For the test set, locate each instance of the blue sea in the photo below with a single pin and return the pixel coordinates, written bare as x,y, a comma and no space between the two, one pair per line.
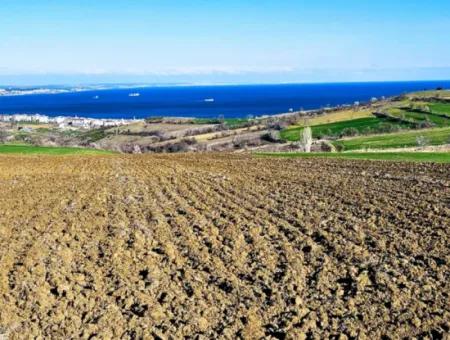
206,101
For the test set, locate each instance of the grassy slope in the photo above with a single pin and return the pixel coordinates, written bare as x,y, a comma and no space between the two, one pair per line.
438,121
428,94
437,157
334,129
43,150
396,140
230,122
441,108
333,117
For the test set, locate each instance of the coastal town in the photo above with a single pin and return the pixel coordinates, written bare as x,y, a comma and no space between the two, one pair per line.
64,122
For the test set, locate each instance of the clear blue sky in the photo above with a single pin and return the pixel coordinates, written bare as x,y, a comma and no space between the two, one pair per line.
223,41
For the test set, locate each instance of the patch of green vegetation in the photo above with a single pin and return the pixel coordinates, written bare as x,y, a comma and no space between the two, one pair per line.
43,130
45,150
441,93
346,128
441,108
232,123
396,140
156,119
420,117
89,136
93,135
437,157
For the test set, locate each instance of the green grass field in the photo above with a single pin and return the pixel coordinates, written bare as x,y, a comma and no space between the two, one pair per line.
441,108
44,150
230,122
396,140
362,125
430,94
437,157
436,120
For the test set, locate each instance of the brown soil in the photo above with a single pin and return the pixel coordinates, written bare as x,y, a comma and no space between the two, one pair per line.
222,246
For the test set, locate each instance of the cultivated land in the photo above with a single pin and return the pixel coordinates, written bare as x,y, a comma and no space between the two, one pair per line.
417,119
335,129
437,157
222,245
43,150
415,112
397,140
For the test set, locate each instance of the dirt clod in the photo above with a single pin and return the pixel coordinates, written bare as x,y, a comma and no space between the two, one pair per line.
223,246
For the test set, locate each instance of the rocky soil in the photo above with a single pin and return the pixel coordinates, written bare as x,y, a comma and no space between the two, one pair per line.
223,246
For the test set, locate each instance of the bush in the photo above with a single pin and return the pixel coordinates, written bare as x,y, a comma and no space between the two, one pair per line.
339,147
181,146
278,125
327,147
327,133
349,132
425,124
271,136
154,120
387,128
3,136
367,131
422,141
419,107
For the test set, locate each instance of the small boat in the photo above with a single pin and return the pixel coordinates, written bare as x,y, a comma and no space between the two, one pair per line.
209,100
135,94
95,97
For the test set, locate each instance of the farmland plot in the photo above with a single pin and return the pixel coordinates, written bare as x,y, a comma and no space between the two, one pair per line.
222,246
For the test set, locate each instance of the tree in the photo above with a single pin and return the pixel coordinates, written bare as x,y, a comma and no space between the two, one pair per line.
422,141
306,139
136,149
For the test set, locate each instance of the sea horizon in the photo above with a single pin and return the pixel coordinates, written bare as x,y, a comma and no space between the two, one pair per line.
127,101
112,85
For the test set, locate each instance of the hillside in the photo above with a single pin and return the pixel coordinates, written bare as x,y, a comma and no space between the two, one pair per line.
423,114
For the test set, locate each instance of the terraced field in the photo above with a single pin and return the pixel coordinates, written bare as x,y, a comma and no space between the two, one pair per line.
360,125
45,150
438,136
222,246
435,119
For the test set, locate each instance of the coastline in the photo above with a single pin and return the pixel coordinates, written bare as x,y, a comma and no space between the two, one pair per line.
192,101
65,122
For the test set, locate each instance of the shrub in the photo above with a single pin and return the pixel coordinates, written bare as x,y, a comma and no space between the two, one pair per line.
386,128
422,141
271,136
367,131
278,125
327,147
349,132
425,124
326,133
154,120
339,147
3,136
181,146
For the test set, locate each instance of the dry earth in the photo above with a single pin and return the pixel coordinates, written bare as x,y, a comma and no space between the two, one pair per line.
222,246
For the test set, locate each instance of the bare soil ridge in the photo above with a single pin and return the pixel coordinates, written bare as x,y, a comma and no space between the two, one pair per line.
222,246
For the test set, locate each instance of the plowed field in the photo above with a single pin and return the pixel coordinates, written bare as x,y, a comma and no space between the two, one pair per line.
222,246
